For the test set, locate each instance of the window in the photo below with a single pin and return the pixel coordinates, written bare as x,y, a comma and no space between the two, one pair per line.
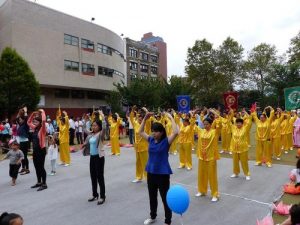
71,40
87,45
144,68
87,69
133,53
105,71
133,76
96,95
70,65
144,56
144,77
153,70
154,58
133,66
119,73
104,49
77,94
61,93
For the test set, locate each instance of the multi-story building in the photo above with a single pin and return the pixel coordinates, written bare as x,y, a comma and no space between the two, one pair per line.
159,43
76,62
142,60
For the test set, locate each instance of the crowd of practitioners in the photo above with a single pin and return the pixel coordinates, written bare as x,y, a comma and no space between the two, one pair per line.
155,136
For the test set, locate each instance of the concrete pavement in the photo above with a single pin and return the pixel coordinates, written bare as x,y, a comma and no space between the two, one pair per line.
65,201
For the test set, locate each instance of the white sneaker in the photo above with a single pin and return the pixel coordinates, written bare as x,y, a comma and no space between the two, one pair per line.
278,158
269,165
234,176
257,164
180,167
149,221
230,153
136,181
248,178
62,164
221,151
66,165
199,194
188,168
214,199
286,152
175,153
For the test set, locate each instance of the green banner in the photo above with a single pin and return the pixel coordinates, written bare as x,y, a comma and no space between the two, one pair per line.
292,98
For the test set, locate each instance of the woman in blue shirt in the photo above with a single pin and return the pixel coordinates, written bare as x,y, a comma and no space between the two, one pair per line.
158,167
95,144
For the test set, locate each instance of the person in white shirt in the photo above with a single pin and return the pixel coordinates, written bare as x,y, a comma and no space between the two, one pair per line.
78,130
52,154
72,130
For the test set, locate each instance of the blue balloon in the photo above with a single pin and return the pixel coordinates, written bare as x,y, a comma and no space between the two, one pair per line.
178,199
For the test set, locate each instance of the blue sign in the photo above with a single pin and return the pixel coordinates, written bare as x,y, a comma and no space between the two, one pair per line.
183,103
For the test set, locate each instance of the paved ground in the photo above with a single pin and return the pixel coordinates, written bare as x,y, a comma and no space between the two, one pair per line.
65,201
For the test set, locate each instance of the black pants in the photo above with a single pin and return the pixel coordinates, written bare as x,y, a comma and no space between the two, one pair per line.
161,183
79,138
97,175
131,136
39,164
14,170
24,146
72,135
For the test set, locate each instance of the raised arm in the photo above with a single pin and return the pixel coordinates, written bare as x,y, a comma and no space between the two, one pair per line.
142,127
30,119
175,130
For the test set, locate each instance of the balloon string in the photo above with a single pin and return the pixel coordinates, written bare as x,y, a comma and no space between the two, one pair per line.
181,219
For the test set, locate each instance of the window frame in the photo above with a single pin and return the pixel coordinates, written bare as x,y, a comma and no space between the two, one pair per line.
85,67
71,67
85,43
71,41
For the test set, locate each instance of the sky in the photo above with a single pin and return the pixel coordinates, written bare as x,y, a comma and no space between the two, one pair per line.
181,23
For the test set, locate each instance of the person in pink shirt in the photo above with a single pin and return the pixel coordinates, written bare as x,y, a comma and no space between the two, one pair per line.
296,135
37,122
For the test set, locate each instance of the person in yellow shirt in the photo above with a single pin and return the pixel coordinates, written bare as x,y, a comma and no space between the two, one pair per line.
169,130
225,133
275,134
186,134
208,155
140,144
290,131
63,137
287,131
263,127
114,122
247,121
239,147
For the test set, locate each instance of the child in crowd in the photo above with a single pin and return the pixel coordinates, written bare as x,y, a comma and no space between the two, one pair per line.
10,219
52,153
15,155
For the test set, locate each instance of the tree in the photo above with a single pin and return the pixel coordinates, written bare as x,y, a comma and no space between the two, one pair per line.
259,67
294,49
113,99
207,85
229,62
285,75
175,86
248,97
18,85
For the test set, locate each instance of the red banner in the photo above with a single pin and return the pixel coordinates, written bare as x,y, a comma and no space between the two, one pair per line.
231,100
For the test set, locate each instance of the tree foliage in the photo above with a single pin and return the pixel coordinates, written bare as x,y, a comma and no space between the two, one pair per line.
18,85
294,49
229,57
153,93
260,65
207,85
